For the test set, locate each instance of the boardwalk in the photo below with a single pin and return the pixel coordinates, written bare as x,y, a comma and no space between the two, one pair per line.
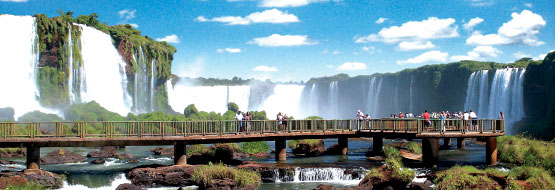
34,135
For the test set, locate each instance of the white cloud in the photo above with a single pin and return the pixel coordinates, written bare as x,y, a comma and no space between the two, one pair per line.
264,68
427,57
170,39
529,5
381,20
542,56
479,53
276,40
336,52
15,1
520,54
194,69
371,48
288,3
352,66
481,3
127,14
329,66
472,22
523,29
417,45
134,25
273,16
229,50
432,28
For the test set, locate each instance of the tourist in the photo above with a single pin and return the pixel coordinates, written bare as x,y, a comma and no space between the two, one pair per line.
280,121
285,118
501,115
360,115
443,116
466,117
426,117
239,119
474,119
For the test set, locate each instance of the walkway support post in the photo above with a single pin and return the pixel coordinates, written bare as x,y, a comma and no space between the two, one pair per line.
430,152
33,157
491,150
377,144
343,143
180,153
281,150
446,142
460,143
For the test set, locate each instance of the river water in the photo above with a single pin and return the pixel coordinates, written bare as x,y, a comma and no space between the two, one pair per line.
110,174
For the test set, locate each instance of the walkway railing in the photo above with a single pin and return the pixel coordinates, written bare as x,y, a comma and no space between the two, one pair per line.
191,128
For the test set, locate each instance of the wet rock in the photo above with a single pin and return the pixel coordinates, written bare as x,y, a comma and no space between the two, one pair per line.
128,186
419,186
226,183
104,152
125,156
222,153
376,158
98,161
162,176
45,178
11,152
305,149
162,151
334,150
61,156
262,155
6,162
409,155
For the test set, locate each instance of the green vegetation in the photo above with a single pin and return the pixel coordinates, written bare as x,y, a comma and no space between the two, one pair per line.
232,107
464,177
314,118
538,178
414,148
255,147
198,149
27,186
528,152
205,174
312,142
37,116
394,165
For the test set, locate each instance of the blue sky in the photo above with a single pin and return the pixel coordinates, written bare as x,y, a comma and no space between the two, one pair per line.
298,39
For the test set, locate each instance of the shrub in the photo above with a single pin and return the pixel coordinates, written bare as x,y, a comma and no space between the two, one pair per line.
27,186
205,174
525,151
537,177
414,148
392,152
232,107
255,147
199,149
462,177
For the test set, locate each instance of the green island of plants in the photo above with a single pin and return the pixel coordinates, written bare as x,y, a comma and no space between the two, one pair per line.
311,142
255,147
203,175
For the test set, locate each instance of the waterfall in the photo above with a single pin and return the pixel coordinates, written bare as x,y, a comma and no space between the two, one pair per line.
106,81
332,175
239,95
333,99
411,94
506,95
19,54
373,97
313,101
477,93
72,96
286,99
152,83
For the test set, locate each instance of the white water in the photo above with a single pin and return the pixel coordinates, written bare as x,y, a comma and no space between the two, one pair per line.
285,99
333,99
105,80
373,97
329,175
152,83
505,94
477,93
18,64
312,106
121,179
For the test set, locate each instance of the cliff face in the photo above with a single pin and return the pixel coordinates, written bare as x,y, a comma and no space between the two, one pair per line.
60,73
539,99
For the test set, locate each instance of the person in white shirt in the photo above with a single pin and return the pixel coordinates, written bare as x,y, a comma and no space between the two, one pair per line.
466,117
239,119
474,118
360,115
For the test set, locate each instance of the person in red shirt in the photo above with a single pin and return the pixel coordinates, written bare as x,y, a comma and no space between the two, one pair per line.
426,117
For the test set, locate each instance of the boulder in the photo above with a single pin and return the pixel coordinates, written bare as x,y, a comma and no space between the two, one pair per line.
61,156
104,152
262,155
45,178
128,186
10,152
162,176
125,156
98,161
305,149
226,183
162,151
6,162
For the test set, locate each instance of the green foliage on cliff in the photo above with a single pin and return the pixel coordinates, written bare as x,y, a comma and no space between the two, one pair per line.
527,152
91,111
37,116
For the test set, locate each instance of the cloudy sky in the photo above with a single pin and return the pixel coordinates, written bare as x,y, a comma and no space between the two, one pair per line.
298,39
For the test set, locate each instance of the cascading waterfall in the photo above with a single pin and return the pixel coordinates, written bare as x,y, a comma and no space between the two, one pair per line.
106,81
72,96
477,93
152,83
506,95
313,100
334,175
286,99
373,100
144,83
411,94
333,99
19,63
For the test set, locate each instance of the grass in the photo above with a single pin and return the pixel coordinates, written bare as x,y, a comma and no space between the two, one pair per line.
524,151
414,148
537,177
392,152
199,149
312,142
463,177
255,147
394,165
205,174
27,186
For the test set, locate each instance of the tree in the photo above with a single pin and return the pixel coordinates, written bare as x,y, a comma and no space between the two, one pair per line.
190,110
232,107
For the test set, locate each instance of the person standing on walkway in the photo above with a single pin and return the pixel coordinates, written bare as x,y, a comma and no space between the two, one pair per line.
466,117
474,119
239,119
443,116
426,117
